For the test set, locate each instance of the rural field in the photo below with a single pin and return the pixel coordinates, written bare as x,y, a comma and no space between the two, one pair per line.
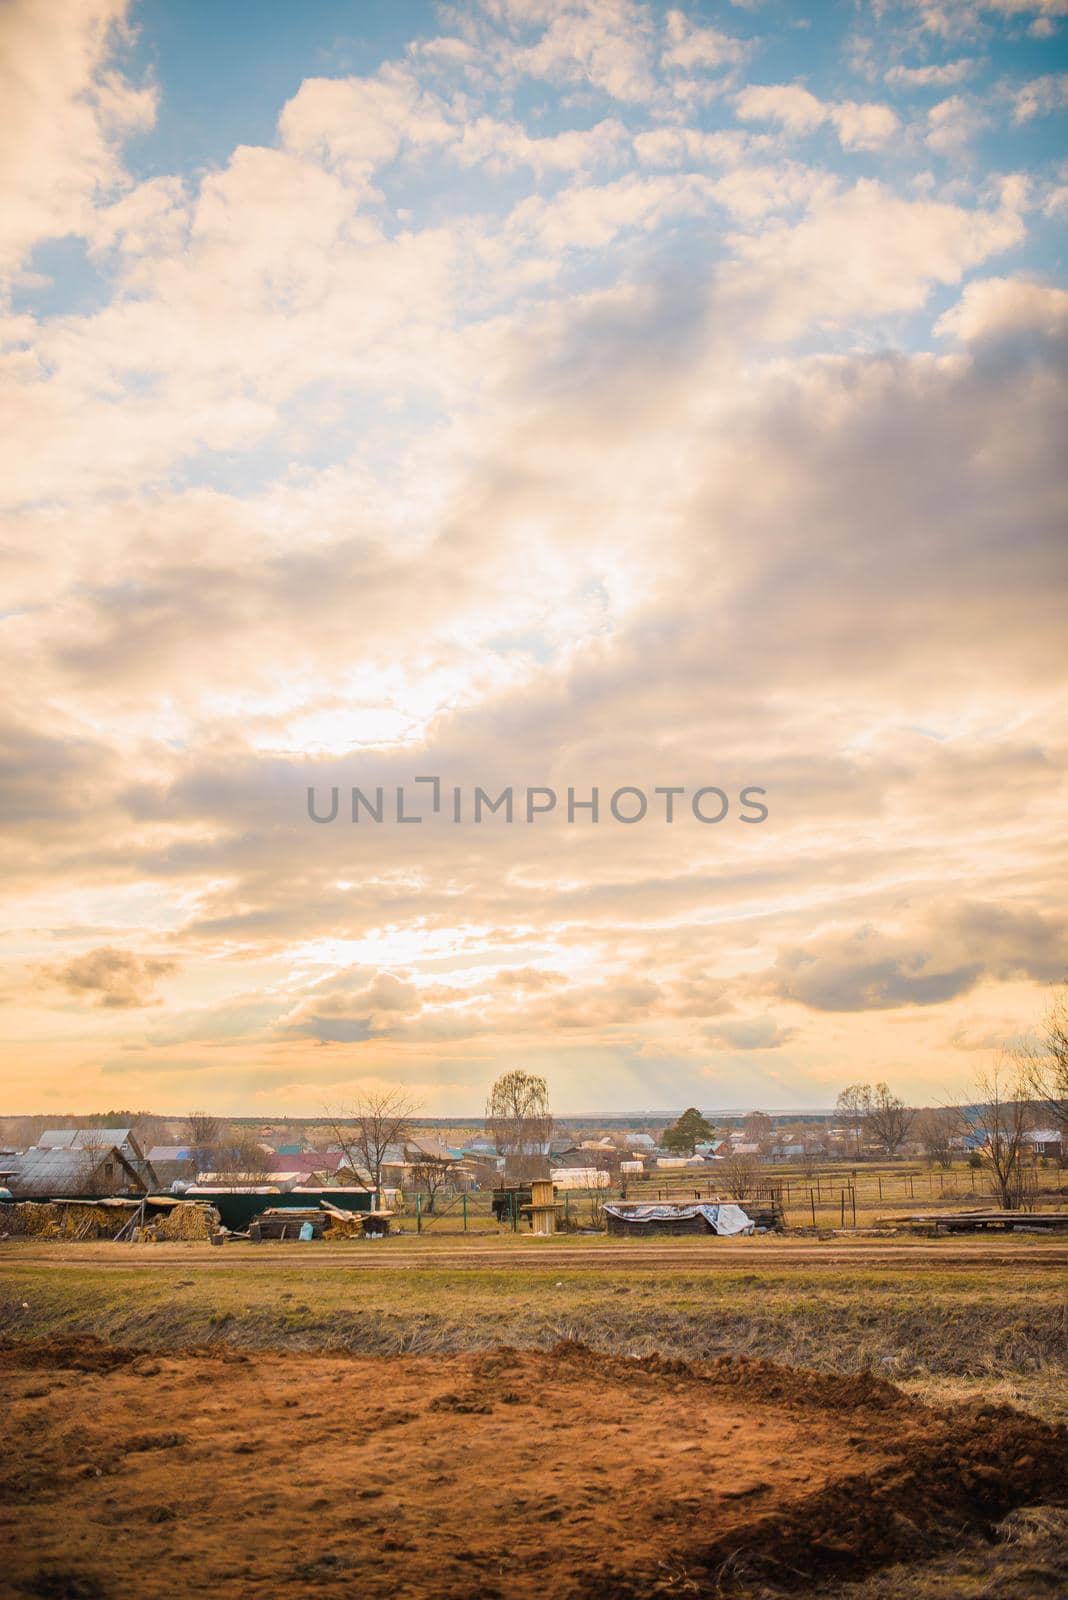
489,1416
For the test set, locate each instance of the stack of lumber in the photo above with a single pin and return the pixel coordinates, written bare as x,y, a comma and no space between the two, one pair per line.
285,1223
980,1221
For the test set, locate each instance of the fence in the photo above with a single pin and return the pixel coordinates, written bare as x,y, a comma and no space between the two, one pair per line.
849,1196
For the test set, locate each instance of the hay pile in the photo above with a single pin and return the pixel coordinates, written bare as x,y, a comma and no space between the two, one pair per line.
190,1220
43,1220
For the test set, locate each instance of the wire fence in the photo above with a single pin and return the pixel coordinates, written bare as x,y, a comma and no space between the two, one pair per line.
843,1197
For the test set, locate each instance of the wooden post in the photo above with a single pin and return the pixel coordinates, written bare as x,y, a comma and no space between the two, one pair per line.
841,1219
880,1177
465,1210
418,1213
812,1203
853,1192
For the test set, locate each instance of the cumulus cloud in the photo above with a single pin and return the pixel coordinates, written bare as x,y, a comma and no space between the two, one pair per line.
941,75
750,1033
67,111
867,969
865,250
992,308
859,125
115,979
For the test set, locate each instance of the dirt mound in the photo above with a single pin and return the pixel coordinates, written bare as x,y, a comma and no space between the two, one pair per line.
493,1474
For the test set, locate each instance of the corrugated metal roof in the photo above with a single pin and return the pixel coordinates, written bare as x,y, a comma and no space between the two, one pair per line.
83,1138
67,1171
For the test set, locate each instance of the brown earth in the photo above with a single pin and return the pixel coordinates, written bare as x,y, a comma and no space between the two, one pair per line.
500,1475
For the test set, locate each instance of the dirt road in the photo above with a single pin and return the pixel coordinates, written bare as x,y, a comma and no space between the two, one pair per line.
412,1255
502,1474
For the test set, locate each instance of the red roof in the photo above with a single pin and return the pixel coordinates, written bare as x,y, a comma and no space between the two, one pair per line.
307,1161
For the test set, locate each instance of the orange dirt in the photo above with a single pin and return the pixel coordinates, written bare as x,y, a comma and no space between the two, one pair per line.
500,1475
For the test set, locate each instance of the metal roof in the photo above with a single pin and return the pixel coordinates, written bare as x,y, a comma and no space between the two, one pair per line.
46,1172
82,1138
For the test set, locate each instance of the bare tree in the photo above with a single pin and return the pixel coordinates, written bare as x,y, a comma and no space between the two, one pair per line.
936,1127
203,1134
888,1119
365,1133
242,1162
94,1177
741,1174
1003,1096
758,1128
429,1175
852,1106
519,1122
1046,1060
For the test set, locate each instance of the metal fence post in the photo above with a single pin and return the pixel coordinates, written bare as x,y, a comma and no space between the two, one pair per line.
418,1213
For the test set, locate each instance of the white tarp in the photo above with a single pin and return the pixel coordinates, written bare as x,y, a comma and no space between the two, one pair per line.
723,1219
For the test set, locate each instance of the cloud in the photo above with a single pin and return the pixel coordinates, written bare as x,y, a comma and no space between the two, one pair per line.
999,308
942,75
865,969
859,126
67,112
690,46
508,416
864,251
1041,97
115,979
750,1033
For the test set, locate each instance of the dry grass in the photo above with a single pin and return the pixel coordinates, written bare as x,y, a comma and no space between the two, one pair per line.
965,1330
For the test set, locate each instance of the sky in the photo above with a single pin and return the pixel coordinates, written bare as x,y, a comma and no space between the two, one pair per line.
538,395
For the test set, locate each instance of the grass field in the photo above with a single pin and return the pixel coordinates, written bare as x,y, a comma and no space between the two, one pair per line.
934,1316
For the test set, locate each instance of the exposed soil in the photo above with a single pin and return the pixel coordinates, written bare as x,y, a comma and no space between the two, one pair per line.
503,1474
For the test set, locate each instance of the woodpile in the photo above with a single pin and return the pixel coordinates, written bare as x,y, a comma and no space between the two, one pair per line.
189,1221
53,1220
286,1223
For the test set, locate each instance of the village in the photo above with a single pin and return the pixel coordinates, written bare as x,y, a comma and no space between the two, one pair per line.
382,1172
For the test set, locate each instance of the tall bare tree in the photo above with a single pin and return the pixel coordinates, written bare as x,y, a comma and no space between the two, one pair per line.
739,1176
203,1134
242,1161
430,1175
852,1106
519,1122
366,1131
1004,1103
888,1119
758,1128
1046,1061
936,1127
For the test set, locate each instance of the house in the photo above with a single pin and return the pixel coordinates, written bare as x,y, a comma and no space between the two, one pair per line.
121,1139
580,1178
1046,1142
585,1155
639,1141
85,1170
311,1163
